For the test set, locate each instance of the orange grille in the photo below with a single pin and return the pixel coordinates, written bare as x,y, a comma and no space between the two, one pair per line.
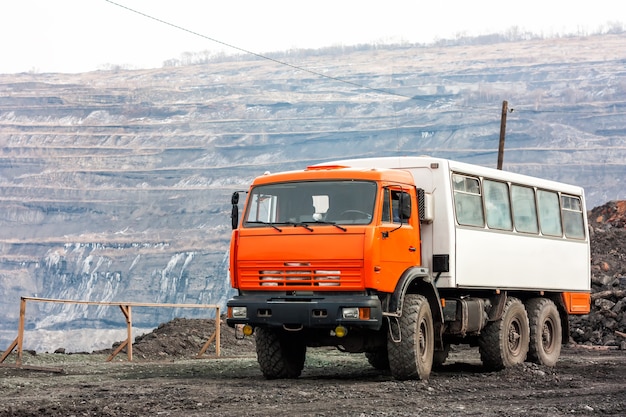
301,275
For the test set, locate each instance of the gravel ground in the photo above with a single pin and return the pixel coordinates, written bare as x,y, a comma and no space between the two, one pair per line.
584,382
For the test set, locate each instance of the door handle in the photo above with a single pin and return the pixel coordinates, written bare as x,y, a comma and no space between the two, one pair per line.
412,248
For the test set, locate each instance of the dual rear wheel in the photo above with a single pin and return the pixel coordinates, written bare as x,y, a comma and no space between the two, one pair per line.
524,332
546,334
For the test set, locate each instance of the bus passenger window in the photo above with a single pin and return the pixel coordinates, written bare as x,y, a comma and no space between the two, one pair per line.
497,205
572,217
524,209
467,201
549,213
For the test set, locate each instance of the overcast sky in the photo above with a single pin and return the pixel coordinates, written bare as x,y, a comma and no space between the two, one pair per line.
86,35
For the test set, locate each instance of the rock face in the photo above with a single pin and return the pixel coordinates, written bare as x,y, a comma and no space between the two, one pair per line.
606,324
115,185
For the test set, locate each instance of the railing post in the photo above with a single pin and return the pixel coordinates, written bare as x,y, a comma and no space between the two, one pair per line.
20,331
217,331
129,348
129,331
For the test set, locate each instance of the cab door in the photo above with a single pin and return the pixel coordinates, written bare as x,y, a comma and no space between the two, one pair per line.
398,236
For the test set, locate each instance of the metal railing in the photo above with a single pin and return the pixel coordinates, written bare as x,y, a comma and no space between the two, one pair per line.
126,308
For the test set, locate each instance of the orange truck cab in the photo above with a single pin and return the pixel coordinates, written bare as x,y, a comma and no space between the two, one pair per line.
355,255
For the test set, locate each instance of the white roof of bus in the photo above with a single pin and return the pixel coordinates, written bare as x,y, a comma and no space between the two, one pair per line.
408,162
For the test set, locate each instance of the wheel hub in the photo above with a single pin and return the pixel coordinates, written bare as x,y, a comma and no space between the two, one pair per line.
514,337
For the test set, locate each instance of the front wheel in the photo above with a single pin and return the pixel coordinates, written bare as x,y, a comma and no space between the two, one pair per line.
504,342
410,343
280,355
545,331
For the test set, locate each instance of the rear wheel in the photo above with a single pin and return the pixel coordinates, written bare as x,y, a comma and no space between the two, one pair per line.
504,342
280,355
410,344
545,331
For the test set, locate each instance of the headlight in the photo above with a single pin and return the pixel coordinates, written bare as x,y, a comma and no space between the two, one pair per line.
356,313
239,312
350,312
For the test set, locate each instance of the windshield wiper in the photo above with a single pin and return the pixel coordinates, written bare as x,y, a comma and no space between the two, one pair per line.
266,224
331,223
294,224
305,225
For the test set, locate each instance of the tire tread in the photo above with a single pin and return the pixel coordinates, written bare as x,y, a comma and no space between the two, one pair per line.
278,357
538,309
492,342
403,359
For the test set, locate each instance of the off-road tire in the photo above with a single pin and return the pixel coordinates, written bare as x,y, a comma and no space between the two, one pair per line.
546,334
411,357
504,342
280,355
379,359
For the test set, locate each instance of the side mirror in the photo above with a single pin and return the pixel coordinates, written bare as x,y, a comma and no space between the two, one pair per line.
234,213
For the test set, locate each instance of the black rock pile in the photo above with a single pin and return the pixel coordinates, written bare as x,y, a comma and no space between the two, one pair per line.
606,324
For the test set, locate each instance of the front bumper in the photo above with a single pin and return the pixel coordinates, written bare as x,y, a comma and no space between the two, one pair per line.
318,311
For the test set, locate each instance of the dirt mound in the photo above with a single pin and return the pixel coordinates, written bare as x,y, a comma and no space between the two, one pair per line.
185,338
606,324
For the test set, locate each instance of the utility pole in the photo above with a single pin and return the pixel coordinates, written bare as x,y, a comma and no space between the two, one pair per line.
505,108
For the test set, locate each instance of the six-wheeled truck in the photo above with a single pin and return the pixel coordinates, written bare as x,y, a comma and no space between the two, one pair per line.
402,257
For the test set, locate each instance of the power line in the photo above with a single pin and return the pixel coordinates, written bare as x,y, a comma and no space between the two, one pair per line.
319,74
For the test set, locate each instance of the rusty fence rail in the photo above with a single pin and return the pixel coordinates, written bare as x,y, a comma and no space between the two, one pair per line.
126,308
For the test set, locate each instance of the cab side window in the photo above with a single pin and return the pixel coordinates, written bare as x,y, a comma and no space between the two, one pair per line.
396,206
386,206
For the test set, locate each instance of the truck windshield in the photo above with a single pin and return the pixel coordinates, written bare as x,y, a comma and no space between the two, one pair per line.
322,202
